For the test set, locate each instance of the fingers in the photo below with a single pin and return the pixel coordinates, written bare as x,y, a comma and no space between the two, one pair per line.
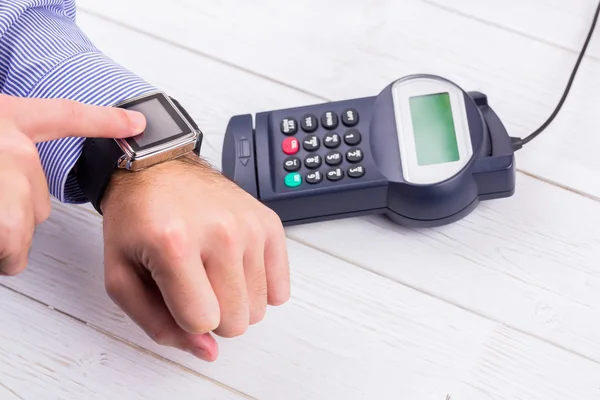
276,263
19,155
225,269
176,267
143,303
256,281
40,193
247,271
49,119
16,223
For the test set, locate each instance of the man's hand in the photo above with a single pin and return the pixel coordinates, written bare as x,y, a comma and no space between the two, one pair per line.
24,196
187,252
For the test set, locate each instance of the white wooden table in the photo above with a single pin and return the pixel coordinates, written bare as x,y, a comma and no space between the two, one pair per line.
502,305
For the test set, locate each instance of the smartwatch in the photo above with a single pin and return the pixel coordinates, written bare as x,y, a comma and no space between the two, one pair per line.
169,134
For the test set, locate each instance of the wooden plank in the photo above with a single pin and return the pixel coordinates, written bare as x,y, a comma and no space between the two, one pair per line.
347,333
46,355
561,23
354,49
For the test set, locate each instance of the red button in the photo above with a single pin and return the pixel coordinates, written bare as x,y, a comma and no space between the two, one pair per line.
290,146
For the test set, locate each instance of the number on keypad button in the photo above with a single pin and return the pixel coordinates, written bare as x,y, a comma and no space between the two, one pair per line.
352,137
354,155
292,164
314,177
313,162
356,172
332,140
335,174
329,120
333,158
350,117
309,123
289,126
311,143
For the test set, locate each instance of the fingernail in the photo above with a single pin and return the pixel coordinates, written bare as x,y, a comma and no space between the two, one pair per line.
137,120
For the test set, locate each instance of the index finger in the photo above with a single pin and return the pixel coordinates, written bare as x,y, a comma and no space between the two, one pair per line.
49,119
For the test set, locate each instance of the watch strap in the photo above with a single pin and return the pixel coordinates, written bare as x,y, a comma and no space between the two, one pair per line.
98,162
96,166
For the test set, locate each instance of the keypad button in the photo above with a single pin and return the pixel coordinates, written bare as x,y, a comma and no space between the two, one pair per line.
356,172
333,158
292,164
293,180
335,175
289,126
332,140
310,123
352,137
350,117
290,146
329,120
314,161
314,177
354,155
311,143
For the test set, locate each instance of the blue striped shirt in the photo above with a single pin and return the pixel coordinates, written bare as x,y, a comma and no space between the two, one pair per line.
44,54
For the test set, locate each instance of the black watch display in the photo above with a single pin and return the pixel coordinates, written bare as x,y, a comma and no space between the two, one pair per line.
170,133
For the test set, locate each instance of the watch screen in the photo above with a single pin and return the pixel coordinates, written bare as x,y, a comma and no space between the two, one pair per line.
163,123
159,124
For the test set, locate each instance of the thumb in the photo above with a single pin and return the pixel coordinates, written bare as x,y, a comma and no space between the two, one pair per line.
50,119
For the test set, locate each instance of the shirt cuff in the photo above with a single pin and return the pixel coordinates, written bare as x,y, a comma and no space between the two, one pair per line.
90,78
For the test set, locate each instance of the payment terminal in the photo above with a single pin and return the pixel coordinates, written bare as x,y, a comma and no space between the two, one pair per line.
423,152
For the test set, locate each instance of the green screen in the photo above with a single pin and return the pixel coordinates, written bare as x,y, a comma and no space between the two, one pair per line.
433,128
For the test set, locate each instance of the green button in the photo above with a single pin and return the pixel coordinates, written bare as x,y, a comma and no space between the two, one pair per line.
293,180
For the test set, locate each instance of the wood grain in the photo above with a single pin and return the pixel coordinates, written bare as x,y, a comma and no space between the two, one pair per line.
356,48
47,355
347,333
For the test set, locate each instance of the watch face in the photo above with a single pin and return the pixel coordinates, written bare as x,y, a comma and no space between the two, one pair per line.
163,123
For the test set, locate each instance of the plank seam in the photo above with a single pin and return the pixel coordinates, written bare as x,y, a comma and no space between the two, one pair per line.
560,185
449,301
136,347
196,52
10,390
507,29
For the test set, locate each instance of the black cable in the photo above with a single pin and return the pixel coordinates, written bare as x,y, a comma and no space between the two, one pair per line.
517,142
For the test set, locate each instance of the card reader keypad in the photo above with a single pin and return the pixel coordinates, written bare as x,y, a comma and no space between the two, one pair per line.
327,145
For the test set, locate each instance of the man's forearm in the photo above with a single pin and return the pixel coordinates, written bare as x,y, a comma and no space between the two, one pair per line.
44,54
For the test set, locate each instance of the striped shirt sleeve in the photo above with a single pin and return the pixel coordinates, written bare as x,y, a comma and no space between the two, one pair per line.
44,54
